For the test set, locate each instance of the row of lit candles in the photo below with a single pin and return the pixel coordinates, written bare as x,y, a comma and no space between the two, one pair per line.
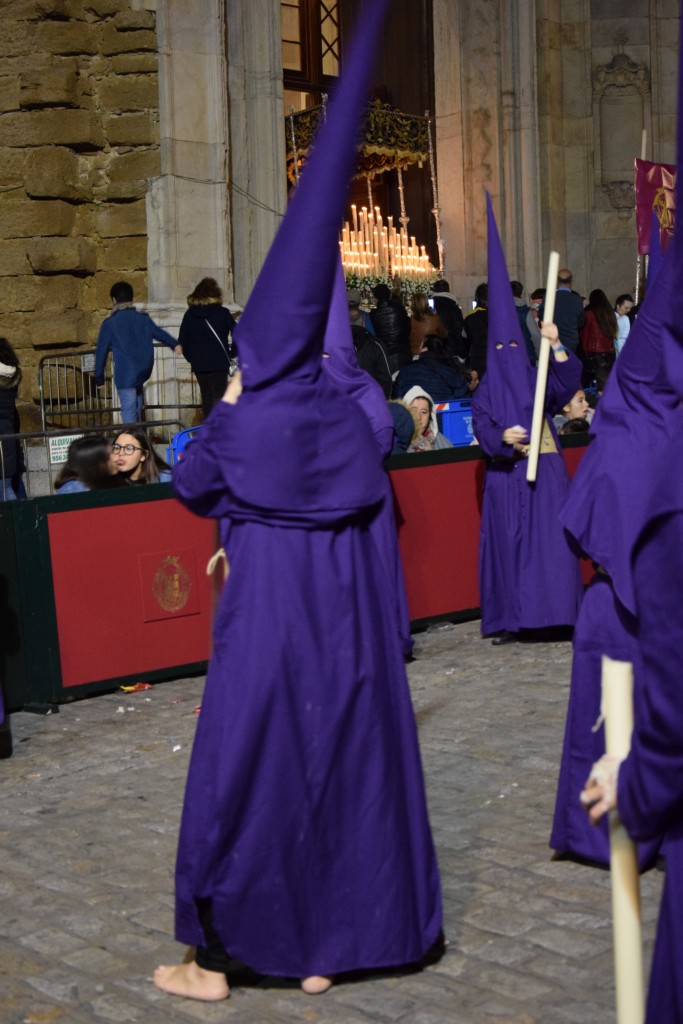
371,248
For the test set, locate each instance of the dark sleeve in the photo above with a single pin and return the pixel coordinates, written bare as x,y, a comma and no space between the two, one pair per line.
381,371
185,332
101,352
650,790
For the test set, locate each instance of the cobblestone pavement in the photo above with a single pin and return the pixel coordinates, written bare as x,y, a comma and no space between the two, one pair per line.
90,810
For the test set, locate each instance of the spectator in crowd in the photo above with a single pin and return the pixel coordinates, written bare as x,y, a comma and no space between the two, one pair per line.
89,466
429,437
392,327
622,308
597,340
129,334
363,318
533,322
370,351
475,330
205,340
136,461
423,321
11,454
405,426
436,371
523,311
576,426
568,316
576,408
446,307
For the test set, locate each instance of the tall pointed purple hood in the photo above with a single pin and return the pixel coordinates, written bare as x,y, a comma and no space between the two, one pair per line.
280,332
507,388
610,498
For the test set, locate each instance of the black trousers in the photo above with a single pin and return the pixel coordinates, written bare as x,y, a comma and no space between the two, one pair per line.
213,956
212,387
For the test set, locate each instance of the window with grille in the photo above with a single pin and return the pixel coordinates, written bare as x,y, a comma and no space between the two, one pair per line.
310,50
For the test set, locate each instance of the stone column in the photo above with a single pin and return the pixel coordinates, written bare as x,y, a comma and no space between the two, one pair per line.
188,208
257,140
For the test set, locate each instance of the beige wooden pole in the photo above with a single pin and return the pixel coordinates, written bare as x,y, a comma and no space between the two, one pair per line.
542,371
617,709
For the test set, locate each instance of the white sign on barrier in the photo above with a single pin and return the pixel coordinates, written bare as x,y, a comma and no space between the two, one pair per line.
88,363
59,447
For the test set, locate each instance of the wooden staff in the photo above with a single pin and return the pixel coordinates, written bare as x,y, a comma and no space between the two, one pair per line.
617,709
542,372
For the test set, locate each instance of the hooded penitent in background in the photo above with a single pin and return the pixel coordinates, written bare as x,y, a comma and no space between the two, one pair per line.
342,367
528,577
647,569
305,848
604,514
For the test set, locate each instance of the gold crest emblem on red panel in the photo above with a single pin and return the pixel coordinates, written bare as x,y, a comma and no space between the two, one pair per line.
172,584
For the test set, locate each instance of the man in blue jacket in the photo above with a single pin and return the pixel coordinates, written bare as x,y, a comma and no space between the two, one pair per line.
130,335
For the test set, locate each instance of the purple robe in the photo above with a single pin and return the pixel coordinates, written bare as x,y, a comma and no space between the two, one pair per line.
305,819
528,576
341,366
604,626
650,789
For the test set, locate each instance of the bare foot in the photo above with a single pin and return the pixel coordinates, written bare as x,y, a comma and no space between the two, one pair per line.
192,981
316,985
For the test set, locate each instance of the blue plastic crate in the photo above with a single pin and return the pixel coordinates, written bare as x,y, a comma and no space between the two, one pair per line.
455,421
178,444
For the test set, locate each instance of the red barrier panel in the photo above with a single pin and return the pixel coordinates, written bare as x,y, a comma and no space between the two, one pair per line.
130,587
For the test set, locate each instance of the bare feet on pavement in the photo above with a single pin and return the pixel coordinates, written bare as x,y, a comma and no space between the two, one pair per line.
316,985
192,981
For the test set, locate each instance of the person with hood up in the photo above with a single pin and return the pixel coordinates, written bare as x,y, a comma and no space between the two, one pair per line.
305,801
528,577
429,437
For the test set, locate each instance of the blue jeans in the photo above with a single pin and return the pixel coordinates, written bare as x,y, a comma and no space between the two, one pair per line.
131,405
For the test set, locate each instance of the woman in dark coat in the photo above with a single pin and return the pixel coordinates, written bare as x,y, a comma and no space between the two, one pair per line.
205,339
435,370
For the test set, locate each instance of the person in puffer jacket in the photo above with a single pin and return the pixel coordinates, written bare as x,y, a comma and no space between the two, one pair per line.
392,327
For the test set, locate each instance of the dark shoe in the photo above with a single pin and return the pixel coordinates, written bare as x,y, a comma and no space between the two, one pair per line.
504,638
5,740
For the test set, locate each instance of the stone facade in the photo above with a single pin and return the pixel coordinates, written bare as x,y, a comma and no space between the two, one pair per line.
79,141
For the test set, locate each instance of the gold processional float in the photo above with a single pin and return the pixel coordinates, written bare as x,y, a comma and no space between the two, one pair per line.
373,250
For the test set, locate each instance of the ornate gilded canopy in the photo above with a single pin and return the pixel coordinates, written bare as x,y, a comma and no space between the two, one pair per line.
390,139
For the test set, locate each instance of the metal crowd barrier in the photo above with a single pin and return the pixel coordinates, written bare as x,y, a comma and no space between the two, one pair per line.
44,452
69,398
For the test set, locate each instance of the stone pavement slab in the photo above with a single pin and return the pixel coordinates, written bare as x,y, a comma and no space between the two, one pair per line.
91,805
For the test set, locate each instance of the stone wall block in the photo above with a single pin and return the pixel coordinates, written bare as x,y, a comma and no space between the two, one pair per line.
12,166
134,63
128,92
58,255
136,166
52,172
117,220
60,328
56,85
13,258
67,37
107,8
44,127
132,129
27,218
122,254
114,41
16,38
43,293
125,21
9,92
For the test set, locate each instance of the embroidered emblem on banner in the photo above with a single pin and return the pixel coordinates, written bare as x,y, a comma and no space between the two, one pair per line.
172,584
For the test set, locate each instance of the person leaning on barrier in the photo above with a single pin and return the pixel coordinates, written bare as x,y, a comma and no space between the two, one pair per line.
89,466
129,334
136,461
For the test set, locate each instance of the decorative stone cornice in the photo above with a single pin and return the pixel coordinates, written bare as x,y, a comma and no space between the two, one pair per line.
621,73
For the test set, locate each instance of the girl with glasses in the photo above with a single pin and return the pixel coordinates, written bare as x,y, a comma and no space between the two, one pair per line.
136,461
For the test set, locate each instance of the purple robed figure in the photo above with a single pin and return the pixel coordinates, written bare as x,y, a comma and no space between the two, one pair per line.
341,365
305,848
528,577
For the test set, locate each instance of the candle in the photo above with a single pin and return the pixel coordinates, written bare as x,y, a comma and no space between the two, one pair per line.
355,218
